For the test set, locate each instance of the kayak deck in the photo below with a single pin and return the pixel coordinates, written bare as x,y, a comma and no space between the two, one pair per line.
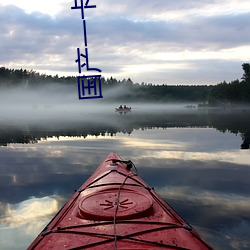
116,209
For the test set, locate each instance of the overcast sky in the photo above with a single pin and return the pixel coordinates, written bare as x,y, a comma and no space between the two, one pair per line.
153,41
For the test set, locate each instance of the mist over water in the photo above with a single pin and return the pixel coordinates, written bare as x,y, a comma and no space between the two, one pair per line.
52,141
60,102
55,110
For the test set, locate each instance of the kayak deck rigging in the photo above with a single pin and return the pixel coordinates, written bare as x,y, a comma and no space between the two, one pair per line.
120,237
116,206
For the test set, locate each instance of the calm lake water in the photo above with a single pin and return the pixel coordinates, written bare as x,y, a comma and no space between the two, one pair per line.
197,160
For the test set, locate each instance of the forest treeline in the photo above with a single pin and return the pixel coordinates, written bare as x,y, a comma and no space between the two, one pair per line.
235,122
236,91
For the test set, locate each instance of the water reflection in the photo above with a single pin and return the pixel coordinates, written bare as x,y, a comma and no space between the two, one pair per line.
73,124
20,222
196,167
31,210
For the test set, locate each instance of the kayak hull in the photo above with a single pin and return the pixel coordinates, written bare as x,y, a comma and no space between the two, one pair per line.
116,209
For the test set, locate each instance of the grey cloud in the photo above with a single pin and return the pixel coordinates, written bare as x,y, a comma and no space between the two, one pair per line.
113,37
200,32
41,29
29,37
12,16
147,8
220,31
127,31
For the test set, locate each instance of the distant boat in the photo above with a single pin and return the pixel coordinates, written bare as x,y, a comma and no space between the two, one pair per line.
125,110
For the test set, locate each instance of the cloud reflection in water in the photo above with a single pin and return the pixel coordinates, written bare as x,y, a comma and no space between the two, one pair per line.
198,171
21,222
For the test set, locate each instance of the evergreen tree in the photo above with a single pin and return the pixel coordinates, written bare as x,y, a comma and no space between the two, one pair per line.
246,69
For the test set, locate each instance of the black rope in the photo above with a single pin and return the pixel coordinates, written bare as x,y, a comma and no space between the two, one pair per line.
128,237
129,165
117,207
120,222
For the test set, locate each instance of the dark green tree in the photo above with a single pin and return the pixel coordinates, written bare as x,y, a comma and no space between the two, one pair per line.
246,69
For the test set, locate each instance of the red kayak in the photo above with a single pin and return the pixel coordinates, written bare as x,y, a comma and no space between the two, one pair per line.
116,209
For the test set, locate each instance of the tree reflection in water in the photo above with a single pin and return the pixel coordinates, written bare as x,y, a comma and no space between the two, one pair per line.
233,121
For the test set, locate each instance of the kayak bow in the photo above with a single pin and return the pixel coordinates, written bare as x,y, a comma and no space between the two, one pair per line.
116,209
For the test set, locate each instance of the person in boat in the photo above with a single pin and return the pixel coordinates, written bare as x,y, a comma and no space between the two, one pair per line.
125,106
120,107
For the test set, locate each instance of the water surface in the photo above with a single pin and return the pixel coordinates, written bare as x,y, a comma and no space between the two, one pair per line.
193,158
